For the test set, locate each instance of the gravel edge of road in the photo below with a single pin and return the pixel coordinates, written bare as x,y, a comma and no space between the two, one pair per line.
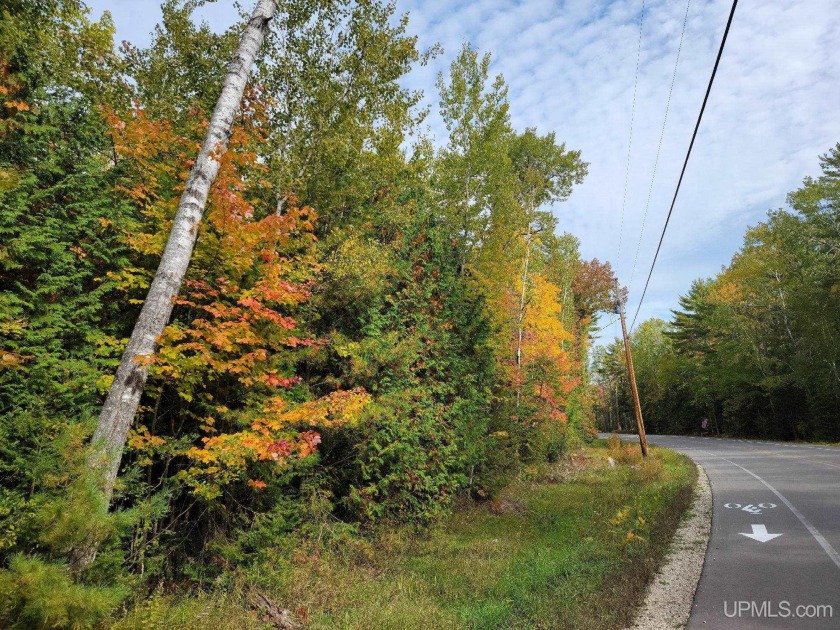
669,598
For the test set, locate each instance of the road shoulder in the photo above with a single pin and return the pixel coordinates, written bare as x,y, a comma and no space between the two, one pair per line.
671,592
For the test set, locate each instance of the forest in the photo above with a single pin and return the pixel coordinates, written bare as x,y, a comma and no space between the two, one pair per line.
374,324
755,350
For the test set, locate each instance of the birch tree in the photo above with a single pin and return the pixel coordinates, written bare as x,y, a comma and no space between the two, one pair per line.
124,395
338,128
474,175
545,174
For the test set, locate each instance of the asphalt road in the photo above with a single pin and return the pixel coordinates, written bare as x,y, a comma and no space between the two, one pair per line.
786,574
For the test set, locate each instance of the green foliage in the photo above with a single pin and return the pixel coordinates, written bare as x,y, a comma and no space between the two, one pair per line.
475,179
420,347
408,461
203,609
37,594
75,517
755,350
341,115
501,564
60,228
183,67
341,355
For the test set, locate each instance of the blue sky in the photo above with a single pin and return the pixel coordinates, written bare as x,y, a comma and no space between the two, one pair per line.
570,66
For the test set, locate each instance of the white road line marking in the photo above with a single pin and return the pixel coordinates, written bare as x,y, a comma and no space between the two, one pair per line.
835,557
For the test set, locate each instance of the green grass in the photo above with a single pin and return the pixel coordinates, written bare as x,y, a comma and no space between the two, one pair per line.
573,546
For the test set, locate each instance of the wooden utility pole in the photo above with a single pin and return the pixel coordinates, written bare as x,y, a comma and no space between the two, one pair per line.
637,408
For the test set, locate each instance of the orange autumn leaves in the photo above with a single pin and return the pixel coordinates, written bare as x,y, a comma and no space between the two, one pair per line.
10,104
231,349
272,437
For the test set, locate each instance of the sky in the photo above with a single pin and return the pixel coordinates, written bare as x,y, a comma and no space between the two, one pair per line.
571,67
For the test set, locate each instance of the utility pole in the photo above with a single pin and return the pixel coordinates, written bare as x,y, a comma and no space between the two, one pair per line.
637,408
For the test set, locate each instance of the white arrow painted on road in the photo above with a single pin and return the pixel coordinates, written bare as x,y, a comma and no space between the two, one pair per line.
759,533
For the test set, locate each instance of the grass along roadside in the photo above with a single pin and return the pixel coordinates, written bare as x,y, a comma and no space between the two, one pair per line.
569,546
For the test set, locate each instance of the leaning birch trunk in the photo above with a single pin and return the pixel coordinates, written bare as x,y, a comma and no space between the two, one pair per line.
124,396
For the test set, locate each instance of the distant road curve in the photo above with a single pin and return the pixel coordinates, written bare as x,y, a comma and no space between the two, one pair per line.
773,559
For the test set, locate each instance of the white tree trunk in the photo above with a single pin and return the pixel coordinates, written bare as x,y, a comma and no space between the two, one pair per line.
520,322
522,302
124,396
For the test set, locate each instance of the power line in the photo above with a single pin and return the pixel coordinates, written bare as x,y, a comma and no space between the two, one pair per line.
632,118
687,155
659,148
612,323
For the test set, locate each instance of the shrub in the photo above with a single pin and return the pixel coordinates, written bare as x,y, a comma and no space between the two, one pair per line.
38,594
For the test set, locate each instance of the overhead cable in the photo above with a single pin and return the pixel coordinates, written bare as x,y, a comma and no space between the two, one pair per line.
687,156
659,148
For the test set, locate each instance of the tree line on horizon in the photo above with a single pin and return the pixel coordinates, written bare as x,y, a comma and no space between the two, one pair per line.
755,350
